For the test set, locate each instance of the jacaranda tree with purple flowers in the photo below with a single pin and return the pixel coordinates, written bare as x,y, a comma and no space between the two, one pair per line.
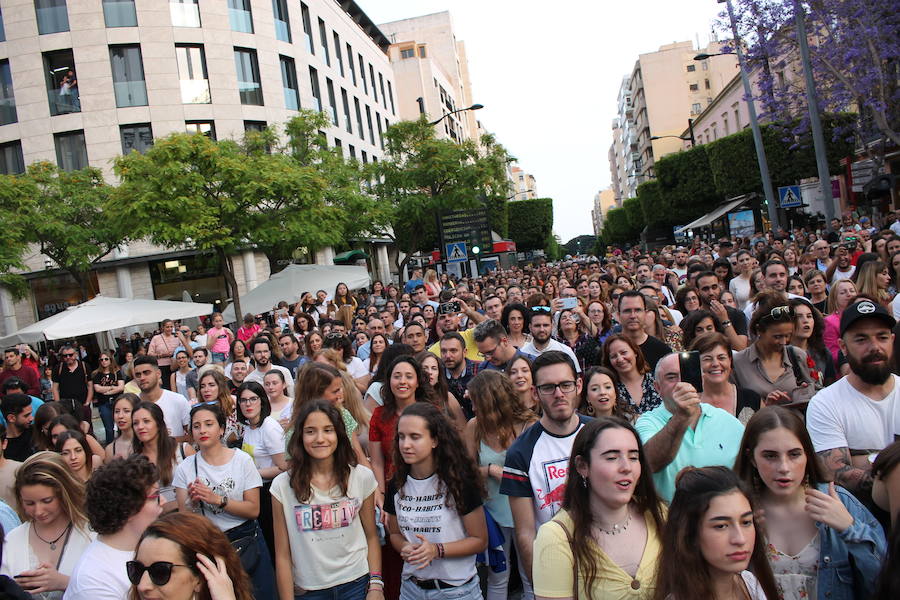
855,56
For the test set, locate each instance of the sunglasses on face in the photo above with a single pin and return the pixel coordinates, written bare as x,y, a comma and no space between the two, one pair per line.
160,572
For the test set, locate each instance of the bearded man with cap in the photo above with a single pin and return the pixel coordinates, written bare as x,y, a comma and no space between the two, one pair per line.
858,415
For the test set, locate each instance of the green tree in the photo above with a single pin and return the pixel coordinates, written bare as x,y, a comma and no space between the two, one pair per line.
65,215
14,190
221,197
532,225
422,176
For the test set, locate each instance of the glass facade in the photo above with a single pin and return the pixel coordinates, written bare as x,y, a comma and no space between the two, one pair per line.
316,90
7,95
52,16
119,13
332,102
282,21
136,137
249,85
323,42
185,13
62,82
239,16
2,28
200,275
289,83
207,128
192,74
71,151
307,28
128,75
11,160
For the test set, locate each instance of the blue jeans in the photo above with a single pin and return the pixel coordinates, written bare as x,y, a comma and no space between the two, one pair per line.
262,577
467,591
106,415
352,590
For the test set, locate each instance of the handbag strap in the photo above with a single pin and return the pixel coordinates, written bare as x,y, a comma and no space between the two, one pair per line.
574,559
196,477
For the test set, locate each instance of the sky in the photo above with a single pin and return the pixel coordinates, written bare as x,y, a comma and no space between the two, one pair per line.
549,79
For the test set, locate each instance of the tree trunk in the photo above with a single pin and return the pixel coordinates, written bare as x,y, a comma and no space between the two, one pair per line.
228,272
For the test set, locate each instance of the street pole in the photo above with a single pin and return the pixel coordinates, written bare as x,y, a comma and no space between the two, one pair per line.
815,122
691,130
754,123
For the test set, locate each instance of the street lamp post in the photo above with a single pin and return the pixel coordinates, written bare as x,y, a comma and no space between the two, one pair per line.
689,138
473,107
754,123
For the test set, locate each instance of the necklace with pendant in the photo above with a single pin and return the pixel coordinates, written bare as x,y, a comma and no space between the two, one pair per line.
53,542
617,528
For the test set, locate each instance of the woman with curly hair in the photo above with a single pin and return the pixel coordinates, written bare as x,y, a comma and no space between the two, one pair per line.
328,558
697,323
435,475
184,557
687,300
605,540
122,500
55,531
515,319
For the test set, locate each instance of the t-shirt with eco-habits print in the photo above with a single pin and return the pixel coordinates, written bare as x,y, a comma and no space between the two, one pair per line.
426,508
231,479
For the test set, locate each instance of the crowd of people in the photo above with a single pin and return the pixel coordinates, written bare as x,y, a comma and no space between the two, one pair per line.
715,421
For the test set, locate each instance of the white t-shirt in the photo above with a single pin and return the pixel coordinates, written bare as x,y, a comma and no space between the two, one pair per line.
100,574
257,376
357,368
552,344
176,412
895,304
740,287
423,510
19,556
839,416
328,543
263,441
838,274
231,479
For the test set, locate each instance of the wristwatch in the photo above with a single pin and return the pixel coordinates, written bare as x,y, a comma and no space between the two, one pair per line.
224,502
726,323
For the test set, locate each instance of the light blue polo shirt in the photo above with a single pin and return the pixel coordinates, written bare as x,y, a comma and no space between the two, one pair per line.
714,441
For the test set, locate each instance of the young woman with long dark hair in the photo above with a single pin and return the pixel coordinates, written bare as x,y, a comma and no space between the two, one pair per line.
122,445
821,541
152,439
108,382
518,369
74,448
178,378
214,388
600,396
326,557
710,548
434,368
605,540
809,327
434,475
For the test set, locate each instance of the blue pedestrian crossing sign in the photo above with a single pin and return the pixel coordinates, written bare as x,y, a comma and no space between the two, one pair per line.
789,196
456,252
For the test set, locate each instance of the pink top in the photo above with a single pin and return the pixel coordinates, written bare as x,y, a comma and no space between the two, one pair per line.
831,335
223,340
246,334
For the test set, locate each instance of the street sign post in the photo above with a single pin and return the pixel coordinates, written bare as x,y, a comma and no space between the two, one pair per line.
456,252
789,196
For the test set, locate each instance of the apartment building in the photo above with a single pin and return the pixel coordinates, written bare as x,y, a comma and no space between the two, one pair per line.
522,184
603,201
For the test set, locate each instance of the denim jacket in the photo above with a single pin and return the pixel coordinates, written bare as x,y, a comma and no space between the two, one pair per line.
849,562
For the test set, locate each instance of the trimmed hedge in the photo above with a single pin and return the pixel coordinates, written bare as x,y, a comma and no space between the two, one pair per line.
532,223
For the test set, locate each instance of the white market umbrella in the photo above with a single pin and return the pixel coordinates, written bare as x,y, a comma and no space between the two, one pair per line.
291,282
103,314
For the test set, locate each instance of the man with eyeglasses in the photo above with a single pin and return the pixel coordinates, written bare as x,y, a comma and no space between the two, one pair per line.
684,432
262,355
71,384
541,329
534,474
632,306
493,344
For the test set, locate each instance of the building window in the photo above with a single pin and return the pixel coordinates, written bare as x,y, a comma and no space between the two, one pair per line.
119,13
359,125
380,131
350,63
338,55
708,100
136,137
128,76
7,95
691,68
249,86
323,42
239,16
200,276
282,20
362,74
11,160
332,101
289,83
696,109
391,96
339,145
422,53
372,79
407,53
706,82
258,126
207,128
307,28
737,119
371,129
352,149
725,123
52,16
381,85
705,65
314,86
2,28
346,104
62,82
694,87
71,152
365,157
184,13
192,73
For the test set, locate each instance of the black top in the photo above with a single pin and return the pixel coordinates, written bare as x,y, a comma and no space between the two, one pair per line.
654,349
19,448
72,384
104,379
738,320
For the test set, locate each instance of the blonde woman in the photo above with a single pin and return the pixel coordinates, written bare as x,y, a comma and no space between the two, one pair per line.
874,280
432,285
841,295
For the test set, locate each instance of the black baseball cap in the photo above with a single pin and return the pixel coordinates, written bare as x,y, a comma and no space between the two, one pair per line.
865,309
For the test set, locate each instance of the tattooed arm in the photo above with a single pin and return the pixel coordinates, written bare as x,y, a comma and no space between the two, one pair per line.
837,462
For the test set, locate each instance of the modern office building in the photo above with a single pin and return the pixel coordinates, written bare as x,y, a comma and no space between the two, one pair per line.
665,89
432,73
83,81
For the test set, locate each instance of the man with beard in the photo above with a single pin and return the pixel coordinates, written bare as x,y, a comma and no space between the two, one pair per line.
541,328
534,474
262,354
859,414
239,370
18,418
200,356
733,321
175,407
459,369
291,358
842,266
448,319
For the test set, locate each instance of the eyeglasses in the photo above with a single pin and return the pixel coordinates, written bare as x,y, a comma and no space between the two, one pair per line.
780,313
249,400
546,389
160,572
103,358
540,309
68,355
334,335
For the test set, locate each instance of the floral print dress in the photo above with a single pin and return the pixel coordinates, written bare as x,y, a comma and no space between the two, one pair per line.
796,575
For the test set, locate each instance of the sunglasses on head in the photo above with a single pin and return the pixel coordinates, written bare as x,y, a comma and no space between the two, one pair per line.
540,309
160,572
780,313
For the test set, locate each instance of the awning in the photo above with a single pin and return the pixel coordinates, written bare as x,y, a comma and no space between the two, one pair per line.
714,214
350,255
